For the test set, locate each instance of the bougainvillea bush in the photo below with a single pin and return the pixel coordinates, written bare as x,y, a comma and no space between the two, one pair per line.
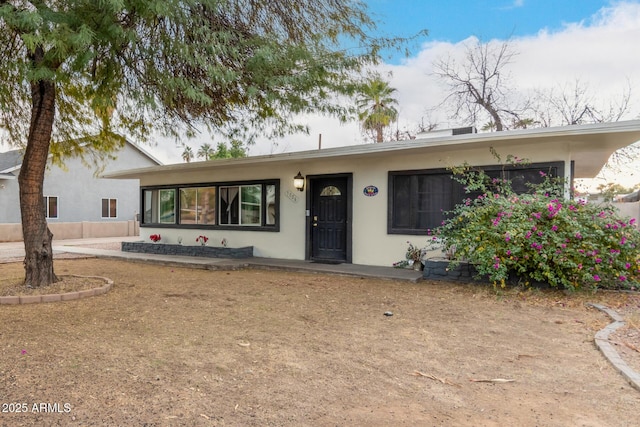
541,236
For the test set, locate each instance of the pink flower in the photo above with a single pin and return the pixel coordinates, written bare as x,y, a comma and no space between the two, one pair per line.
596,277
554,227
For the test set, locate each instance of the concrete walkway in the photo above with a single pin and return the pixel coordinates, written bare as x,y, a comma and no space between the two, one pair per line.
14,252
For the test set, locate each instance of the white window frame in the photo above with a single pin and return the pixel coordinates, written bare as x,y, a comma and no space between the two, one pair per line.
242,202
46,207
108,199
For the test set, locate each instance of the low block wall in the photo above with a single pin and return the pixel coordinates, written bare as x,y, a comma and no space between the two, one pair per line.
632,209
439,270
195,251
11,233
76,230
465,272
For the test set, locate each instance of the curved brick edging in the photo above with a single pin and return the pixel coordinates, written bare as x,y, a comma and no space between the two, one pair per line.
602,342
67,296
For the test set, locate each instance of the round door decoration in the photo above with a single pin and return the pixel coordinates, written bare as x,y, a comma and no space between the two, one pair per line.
370,190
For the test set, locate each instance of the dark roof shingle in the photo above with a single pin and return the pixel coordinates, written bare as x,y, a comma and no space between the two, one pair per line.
10,159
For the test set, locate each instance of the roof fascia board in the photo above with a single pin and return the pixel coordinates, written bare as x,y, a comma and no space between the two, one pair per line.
568,133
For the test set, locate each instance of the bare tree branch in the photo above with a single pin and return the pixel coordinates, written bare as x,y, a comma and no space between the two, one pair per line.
480,83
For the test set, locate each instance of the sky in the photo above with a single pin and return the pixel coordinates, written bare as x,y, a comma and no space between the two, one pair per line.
559,42
455,20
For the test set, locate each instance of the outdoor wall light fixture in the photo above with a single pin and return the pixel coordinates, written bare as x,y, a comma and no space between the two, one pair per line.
298,182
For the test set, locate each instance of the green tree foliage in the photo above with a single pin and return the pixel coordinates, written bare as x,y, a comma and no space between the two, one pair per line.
541,236
611,189
234,151
77,74
375,105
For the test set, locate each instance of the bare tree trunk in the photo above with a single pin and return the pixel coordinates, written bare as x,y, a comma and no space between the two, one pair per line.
38,261
379,135
497,120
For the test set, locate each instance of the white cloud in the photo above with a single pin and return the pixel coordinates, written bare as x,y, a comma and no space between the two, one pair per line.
516,4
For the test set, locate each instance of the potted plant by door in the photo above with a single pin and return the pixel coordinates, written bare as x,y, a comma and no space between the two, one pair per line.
415,254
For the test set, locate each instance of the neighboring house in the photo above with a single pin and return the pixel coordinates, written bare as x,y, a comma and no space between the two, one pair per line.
359,203
73,194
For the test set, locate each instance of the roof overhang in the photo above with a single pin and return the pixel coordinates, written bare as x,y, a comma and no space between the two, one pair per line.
590,146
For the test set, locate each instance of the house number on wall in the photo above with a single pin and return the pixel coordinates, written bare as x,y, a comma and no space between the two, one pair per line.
291,196
370,190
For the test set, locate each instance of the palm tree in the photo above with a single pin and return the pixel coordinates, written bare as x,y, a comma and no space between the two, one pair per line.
205,151
187,154
375,106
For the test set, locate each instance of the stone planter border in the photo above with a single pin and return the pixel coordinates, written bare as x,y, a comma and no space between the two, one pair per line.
67,296
438,269
187,250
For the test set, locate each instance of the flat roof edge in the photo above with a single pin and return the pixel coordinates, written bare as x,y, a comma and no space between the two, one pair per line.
396,146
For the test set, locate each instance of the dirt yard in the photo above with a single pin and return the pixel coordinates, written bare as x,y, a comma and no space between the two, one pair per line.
180,347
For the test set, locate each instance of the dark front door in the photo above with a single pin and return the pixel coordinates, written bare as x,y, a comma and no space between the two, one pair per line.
329,219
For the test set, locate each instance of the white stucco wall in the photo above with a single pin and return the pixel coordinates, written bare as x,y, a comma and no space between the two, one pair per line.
371,243
630,209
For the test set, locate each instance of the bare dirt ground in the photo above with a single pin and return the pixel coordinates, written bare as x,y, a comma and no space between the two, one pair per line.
181,347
